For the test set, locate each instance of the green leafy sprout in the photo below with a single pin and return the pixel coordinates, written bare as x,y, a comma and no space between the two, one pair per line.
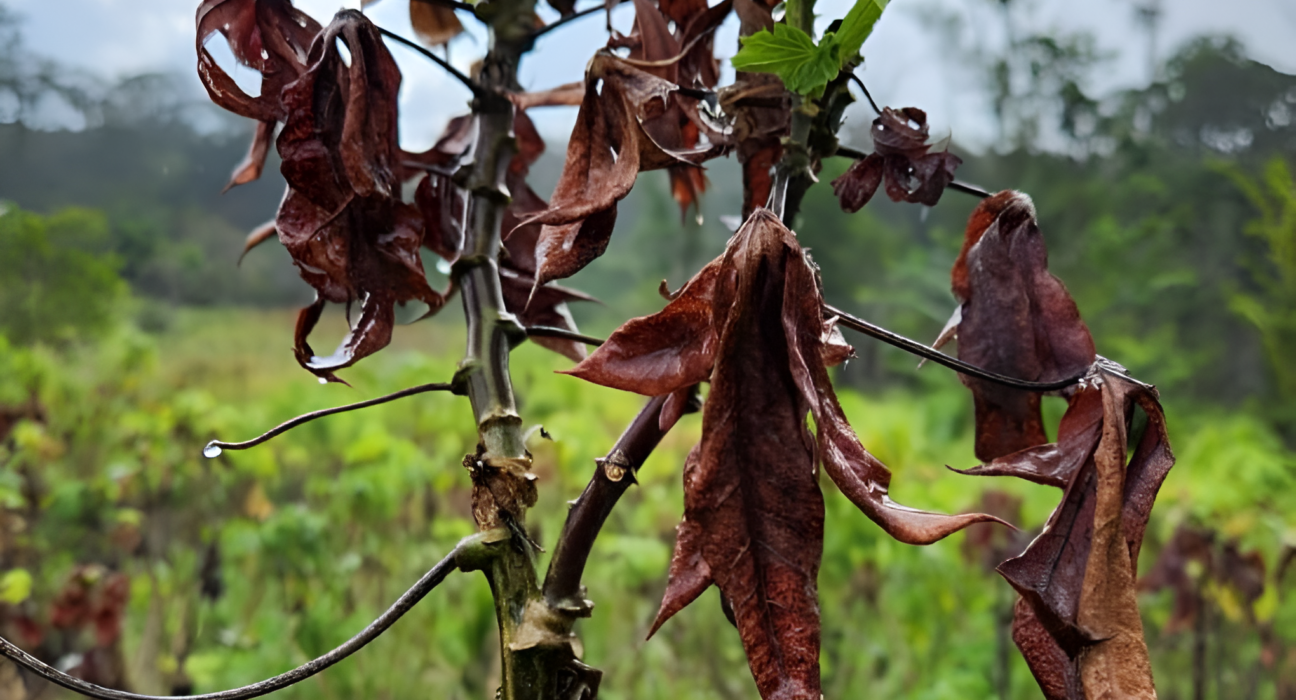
804,66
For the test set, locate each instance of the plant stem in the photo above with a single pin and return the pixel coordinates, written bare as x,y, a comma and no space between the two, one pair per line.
613,475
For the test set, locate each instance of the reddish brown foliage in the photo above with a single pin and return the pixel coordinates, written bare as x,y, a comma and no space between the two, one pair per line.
342,220
751,322
902,157
1016,319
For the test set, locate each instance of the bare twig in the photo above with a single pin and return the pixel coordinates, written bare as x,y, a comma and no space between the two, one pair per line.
914,347
214,448
434,576
872,104
453,4
574,16
552,332
471,84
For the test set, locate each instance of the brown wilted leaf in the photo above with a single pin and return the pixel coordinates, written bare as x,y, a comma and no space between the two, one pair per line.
902,156
434,24
342,221
608,148
1017,319
753,522
1077,577
268,36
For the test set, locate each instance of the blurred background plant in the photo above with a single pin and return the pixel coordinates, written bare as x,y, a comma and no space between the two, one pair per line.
129,337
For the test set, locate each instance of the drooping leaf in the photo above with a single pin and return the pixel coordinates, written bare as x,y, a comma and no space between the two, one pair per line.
342,220
1017,319
752,321
434,24
901,154
608,148
269,36
1077,578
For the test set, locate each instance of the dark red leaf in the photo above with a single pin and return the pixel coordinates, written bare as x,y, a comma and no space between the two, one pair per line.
342,220
268,36
1017,319
901,154
856,186
690,574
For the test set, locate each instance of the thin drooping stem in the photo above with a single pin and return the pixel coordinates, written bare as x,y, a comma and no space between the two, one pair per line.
430,580
916,348
574,16
876,110
613,474
218,445
445,65
452,4
563,333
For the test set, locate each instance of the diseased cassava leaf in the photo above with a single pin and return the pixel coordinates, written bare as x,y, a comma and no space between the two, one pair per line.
1079,626
269,36
1016,319
901,156
752,322
342,220
608,148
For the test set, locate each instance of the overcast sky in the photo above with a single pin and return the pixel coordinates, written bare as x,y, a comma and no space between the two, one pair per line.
908,62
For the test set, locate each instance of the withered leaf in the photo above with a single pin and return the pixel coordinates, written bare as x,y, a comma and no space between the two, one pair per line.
433,24
902,155
269,36
1077,577
752,321
342,221
608,148
1017,319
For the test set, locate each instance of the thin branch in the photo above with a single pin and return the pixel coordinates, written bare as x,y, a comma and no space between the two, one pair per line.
552,332
471,84
872,104
453,4
914,347
436,575
852,153
574,16
214,448
968,188
613,475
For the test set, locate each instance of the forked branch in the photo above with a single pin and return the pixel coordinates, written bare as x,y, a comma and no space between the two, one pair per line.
407,601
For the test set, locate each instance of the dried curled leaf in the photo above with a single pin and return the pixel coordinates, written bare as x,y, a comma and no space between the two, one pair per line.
902,156
609,147
342,220
752,322
1077,578
1016,319
269,36
434,24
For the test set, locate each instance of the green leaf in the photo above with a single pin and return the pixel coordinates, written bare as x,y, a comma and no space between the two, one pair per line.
857,26
781,52
15,586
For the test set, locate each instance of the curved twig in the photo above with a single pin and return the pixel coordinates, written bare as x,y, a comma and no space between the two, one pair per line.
214,448
434,576
553,332
914,347
564,20
872,104
471,84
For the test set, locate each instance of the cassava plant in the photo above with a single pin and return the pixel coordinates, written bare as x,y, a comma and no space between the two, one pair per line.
752,324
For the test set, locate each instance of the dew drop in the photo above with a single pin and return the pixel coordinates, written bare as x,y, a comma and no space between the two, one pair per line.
322,380
211,451
443,266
